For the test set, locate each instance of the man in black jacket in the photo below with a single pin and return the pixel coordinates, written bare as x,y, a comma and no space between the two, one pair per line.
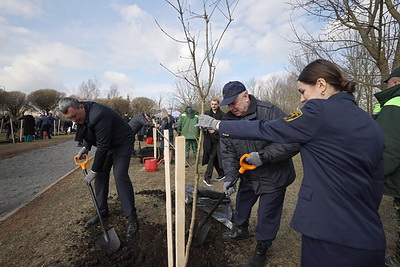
104,128
267,183
211,147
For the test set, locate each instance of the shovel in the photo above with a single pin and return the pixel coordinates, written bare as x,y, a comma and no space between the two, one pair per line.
204,226
108,240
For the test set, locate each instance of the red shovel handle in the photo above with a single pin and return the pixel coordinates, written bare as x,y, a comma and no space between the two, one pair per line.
83,163
244,166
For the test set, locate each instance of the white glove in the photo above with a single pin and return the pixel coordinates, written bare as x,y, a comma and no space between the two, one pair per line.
208,122
254,159
88,178
83,150
229,191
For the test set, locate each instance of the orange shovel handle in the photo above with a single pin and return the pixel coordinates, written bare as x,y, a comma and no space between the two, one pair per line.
83,163
244,166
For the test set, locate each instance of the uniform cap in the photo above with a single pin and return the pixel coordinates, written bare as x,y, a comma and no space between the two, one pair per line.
395,73
230,92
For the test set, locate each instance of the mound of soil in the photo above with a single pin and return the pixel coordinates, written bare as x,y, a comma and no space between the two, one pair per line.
148,247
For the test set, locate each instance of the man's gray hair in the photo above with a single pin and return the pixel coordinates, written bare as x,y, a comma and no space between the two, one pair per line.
68,102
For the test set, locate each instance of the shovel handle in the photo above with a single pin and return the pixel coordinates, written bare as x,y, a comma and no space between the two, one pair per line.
83,163
245,166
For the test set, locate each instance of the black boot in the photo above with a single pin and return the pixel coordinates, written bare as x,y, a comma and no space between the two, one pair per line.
95,219
259,256
237,233
132,227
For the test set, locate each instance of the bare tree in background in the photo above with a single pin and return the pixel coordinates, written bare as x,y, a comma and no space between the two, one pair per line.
376,24
184,95
89,90
113,92
280,91
202,49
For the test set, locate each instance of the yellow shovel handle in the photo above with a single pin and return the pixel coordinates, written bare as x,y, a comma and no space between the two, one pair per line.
244,166
83,163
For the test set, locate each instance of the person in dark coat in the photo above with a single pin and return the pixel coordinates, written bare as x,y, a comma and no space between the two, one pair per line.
387,116
167,122
52,121
29,127
341,147
211,148
267,183
44,126
138,122
67,125
104,128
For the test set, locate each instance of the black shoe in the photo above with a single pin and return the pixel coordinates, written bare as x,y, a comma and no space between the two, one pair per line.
132,228
238,233
220,178
391,262
95,219
207,181
259,256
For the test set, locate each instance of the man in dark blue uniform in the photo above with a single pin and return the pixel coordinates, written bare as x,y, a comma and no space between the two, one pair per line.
341,148
268,182
104,128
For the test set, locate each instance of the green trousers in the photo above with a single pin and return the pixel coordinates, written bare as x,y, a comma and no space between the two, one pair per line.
191,143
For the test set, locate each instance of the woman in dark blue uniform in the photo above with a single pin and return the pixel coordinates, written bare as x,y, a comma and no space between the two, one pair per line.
341,149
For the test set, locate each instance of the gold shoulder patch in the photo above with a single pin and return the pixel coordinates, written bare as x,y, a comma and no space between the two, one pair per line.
293,116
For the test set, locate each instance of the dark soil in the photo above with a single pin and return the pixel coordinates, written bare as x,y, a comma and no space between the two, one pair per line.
149,245
49,231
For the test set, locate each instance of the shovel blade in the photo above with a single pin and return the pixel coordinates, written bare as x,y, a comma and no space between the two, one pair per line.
108,240
201,234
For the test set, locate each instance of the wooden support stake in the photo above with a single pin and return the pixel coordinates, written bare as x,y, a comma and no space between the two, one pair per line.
21,131
168,200
12,130
1,126
155,141
180,200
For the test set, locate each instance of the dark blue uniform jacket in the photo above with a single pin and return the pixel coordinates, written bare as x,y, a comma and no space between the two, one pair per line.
105,129
341,149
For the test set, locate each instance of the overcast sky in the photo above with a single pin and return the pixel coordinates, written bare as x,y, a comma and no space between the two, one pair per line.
57,44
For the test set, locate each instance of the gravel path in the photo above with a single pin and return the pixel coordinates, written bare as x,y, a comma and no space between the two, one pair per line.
25,176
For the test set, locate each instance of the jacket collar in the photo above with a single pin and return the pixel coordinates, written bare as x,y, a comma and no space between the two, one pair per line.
343,95
385,95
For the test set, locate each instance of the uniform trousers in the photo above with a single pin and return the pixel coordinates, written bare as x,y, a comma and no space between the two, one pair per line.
268,215
119,158
320,253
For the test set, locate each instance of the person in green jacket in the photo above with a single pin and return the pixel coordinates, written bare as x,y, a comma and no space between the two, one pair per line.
387,114
186,127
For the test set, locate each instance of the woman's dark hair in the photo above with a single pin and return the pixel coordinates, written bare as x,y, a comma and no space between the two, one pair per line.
328,71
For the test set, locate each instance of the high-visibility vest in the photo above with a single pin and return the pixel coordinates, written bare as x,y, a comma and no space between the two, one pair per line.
395,101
